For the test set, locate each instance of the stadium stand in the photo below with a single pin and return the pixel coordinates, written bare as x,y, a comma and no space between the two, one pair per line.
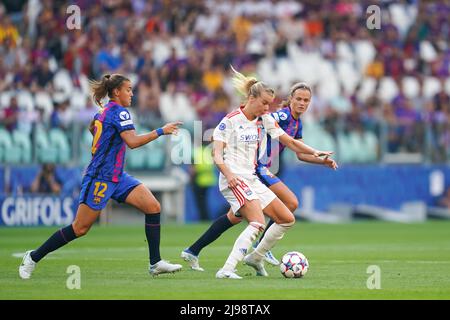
378,97
182,74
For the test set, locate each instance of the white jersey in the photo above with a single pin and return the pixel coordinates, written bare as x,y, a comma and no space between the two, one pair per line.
243,138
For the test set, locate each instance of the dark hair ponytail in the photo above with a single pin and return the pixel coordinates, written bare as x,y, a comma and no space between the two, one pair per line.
105,86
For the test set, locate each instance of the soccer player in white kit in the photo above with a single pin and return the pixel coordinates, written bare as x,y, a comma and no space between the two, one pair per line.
237,139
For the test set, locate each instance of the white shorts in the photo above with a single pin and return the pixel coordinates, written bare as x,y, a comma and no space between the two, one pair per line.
251,189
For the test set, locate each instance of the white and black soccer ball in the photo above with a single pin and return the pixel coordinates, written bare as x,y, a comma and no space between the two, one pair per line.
294,265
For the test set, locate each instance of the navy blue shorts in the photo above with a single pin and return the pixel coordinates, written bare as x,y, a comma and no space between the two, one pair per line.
95,193
266,177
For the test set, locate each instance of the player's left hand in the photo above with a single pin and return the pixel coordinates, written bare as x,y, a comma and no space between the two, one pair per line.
327,161
172,127
319,154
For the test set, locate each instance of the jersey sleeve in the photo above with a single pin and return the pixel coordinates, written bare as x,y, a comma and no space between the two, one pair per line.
275,116
223,131
121,120
272,127
280,117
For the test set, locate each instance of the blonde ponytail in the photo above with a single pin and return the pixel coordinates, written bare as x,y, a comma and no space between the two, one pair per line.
249,86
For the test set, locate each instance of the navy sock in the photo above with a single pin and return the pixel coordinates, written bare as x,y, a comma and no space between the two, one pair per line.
57,240
153,234
271,222
215,230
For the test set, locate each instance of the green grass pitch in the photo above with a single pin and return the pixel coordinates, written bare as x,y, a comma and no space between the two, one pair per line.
414,262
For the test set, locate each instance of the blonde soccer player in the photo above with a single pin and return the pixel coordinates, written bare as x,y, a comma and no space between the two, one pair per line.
288,118
237,139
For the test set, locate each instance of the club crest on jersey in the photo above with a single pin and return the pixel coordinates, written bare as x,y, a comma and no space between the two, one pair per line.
222,126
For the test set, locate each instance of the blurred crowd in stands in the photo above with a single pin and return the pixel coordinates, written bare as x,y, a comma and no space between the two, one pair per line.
392,83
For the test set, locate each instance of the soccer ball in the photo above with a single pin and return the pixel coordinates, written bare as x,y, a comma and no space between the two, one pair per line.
294,265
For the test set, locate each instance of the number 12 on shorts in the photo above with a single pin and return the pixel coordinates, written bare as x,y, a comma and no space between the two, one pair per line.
102,186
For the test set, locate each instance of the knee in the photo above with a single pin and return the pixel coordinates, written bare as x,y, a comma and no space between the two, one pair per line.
232,218
80,230
288,220
154,207
291,220
292,204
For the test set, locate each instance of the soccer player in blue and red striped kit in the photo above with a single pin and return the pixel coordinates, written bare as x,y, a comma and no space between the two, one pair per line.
288,118
113,131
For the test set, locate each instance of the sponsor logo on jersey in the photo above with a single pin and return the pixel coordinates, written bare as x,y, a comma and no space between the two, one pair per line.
126,123
283,115
124,115
222,126
248,137
126,118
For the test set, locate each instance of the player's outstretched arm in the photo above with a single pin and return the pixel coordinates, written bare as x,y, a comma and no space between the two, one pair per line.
327,161
300,147
135,141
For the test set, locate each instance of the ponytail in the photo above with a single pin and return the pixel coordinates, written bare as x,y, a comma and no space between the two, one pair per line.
249,86
105,86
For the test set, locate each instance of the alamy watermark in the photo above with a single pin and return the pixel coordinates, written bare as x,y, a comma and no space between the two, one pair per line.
374,280
373,13
74,280
73,22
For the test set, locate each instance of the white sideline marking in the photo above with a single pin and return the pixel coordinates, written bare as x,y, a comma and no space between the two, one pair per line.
392,261
18,254
87,251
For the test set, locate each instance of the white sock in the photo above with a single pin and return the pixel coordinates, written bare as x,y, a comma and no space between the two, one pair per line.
273,234
242,244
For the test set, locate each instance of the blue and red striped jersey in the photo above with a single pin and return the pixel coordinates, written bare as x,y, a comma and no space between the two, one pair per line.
291,126
108,148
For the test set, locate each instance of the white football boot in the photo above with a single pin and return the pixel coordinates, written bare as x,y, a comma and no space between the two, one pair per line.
27,266
269,258
192,260
258,265
225,274
163,266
